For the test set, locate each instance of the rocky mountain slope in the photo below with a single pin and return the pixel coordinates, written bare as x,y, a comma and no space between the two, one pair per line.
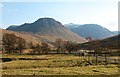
48,29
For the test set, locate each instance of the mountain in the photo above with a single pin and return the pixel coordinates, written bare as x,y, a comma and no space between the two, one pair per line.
91,30
71,25
48,29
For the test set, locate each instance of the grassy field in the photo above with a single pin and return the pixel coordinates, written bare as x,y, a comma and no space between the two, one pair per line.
57,64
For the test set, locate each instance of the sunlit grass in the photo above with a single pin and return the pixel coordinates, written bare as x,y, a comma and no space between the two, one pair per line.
58,64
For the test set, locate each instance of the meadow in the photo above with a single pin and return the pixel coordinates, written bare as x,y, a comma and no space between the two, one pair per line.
56,64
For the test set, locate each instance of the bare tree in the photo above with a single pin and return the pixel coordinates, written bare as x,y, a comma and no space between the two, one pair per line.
21,44
59,44
31,45
44,47
69,46
37,49
89,38
9,42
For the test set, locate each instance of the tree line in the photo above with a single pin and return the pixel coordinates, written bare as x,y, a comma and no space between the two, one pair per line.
13,44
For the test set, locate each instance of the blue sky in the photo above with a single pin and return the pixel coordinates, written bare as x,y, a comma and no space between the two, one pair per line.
104,13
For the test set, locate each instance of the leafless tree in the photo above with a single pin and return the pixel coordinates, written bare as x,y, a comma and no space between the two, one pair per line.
21,44
37,49
44,48
12,42
69,46
59,45
9,42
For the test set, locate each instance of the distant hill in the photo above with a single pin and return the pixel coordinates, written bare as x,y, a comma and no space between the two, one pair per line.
116,32
71,25
90,30
48,29
110,43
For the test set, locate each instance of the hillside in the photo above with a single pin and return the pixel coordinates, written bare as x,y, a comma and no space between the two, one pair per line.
48,29
90,30
27,36
116,32
110,43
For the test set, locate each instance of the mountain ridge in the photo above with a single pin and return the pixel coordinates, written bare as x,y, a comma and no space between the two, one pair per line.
91,30
49,28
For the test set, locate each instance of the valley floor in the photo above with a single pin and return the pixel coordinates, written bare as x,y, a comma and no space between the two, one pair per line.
56,64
